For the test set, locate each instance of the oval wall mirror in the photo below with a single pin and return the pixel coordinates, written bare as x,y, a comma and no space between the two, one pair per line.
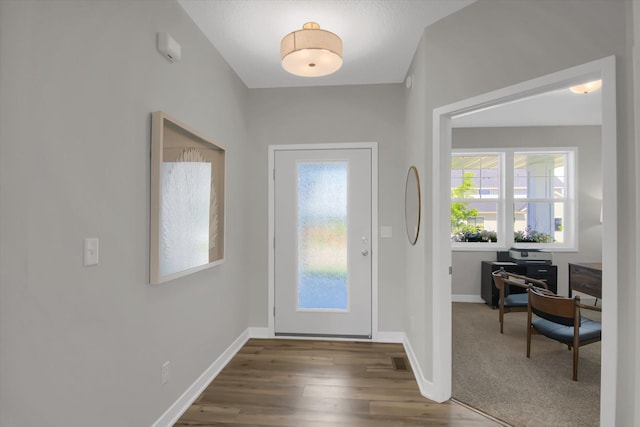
412,204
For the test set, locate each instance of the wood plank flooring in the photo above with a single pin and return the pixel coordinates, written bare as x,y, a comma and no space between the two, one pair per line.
273,382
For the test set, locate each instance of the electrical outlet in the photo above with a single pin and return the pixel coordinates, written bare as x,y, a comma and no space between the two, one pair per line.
165,372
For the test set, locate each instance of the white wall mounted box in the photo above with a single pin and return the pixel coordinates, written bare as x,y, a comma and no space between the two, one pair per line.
169,47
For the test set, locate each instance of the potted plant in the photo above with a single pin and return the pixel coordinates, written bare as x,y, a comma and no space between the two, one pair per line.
529,235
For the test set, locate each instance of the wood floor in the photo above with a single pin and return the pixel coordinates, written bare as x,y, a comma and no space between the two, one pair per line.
321,383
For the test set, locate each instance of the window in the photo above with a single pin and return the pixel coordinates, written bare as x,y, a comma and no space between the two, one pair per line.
534,188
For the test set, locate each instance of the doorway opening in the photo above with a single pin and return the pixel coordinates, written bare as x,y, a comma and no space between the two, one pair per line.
603,69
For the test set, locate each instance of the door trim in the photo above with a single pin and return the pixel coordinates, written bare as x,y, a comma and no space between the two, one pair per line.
373,146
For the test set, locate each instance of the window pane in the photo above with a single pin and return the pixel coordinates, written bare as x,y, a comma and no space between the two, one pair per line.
474,221
475,177
322,235
539,222
540,175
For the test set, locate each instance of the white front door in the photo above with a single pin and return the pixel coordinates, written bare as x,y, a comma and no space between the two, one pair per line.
323,230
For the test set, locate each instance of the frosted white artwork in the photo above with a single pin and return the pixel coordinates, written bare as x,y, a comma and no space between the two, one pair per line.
188,213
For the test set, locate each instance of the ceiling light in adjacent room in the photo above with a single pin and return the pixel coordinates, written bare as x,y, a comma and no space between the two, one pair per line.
311,52
586,87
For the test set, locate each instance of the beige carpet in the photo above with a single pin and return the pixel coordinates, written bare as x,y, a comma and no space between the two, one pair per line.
491,371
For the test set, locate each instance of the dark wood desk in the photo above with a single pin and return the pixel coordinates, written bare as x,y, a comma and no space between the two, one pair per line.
586,278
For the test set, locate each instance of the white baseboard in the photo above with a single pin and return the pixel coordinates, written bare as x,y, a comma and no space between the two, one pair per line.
258,332
183,403
380,336
389,336
426,387
467,298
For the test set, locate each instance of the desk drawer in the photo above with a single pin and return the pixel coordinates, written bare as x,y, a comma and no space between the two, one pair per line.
546,273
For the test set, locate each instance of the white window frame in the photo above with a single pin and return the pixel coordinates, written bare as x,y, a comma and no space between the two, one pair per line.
500,201
505,200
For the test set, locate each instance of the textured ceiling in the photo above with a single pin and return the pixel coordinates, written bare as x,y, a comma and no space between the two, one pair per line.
380,39
379,36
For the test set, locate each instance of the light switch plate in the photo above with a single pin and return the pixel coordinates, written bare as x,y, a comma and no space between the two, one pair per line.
386,232
91,251
165,372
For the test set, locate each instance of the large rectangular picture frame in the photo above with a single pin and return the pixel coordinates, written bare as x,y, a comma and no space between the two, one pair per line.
187,218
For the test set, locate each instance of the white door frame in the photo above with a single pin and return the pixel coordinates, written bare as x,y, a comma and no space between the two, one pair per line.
636,109
441,280
374,225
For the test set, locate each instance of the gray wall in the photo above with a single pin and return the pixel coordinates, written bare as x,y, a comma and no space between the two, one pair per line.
84,345
368,113
492,44
418,309
636,83
466,264
78,80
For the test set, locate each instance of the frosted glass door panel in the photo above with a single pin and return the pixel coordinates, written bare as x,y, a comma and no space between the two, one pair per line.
322,235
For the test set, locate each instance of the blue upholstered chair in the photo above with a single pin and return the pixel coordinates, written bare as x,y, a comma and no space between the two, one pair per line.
508,300
559,319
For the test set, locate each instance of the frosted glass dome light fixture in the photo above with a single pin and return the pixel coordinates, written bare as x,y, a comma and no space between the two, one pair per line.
311,52
586,87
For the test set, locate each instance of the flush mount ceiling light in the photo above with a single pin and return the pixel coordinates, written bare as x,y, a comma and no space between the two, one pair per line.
586,87
311,52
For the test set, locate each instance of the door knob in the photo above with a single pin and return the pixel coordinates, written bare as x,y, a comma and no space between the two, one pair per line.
365,252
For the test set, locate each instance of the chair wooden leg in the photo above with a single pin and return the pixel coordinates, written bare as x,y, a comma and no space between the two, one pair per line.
501,308
576,337
529,318
575,363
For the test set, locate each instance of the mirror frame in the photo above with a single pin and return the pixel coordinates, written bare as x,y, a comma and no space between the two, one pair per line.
412,176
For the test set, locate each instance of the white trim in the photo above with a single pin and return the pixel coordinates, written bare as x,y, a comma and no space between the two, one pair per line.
390,337
505,201
374,242
609,362
426,387
636,114
255,332
373,146
271,242
476,299
175,411
442,261
603,68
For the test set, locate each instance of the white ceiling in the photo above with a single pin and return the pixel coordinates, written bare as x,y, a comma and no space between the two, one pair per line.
559,107
380,39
